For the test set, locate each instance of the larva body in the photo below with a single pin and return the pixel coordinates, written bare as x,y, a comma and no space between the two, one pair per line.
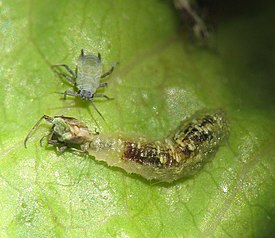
178,156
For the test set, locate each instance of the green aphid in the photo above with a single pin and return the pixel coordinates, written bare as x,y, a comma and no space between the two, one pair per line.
65,133
86,78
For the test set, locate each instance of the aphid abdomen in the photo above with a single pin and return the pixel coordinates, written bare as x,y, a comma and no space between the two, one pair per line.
89,73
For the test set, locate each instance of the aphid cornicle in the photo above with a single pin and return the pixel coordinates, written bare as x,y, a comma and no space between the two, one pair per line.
66,132
86,78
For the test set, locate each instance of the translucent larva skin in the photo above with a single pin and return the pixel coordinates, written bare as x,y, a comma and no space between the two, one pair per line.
178,156
88,75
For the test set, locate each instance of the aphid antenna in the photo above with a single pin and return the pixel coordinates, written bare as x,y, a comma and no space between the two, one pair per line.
97,110
47,118
65,94
93,118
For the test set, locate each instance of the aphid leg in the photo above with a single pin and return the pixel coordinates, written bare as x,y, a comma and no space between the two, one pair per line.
82,52
83,150
99,56
103,85
96,132
108,73
91,100
47,118
71,78
49,138
76,71
100,95
61,149
57,143
68,92
66,67
41,140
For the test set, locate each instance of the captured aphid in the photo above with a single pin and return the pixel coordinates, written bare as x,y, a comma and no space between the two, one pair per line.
178,156
66,132
86,78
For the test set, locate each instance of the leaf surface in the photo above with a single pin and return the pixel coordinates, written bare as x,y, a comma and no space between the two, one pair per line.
161,79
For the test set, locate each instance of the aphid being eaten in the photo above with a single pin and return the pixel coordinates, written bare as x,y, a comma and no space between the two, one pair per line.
66,132
178,156
86,78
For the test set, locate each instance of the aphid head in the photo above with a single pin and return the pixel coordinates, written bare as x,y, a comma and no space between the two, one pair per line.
84,94
61,129
71,131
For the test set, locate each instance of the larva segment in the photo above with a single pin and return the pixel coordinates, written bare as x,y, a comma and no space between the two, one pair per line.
154,154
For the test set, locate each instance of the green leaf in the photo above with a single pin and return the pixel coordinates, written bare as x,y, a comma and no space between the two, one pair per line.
161,79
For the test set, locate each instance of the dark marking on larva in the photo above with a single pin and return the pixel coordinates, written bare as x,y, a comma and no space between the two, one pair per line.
148,154
187,150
